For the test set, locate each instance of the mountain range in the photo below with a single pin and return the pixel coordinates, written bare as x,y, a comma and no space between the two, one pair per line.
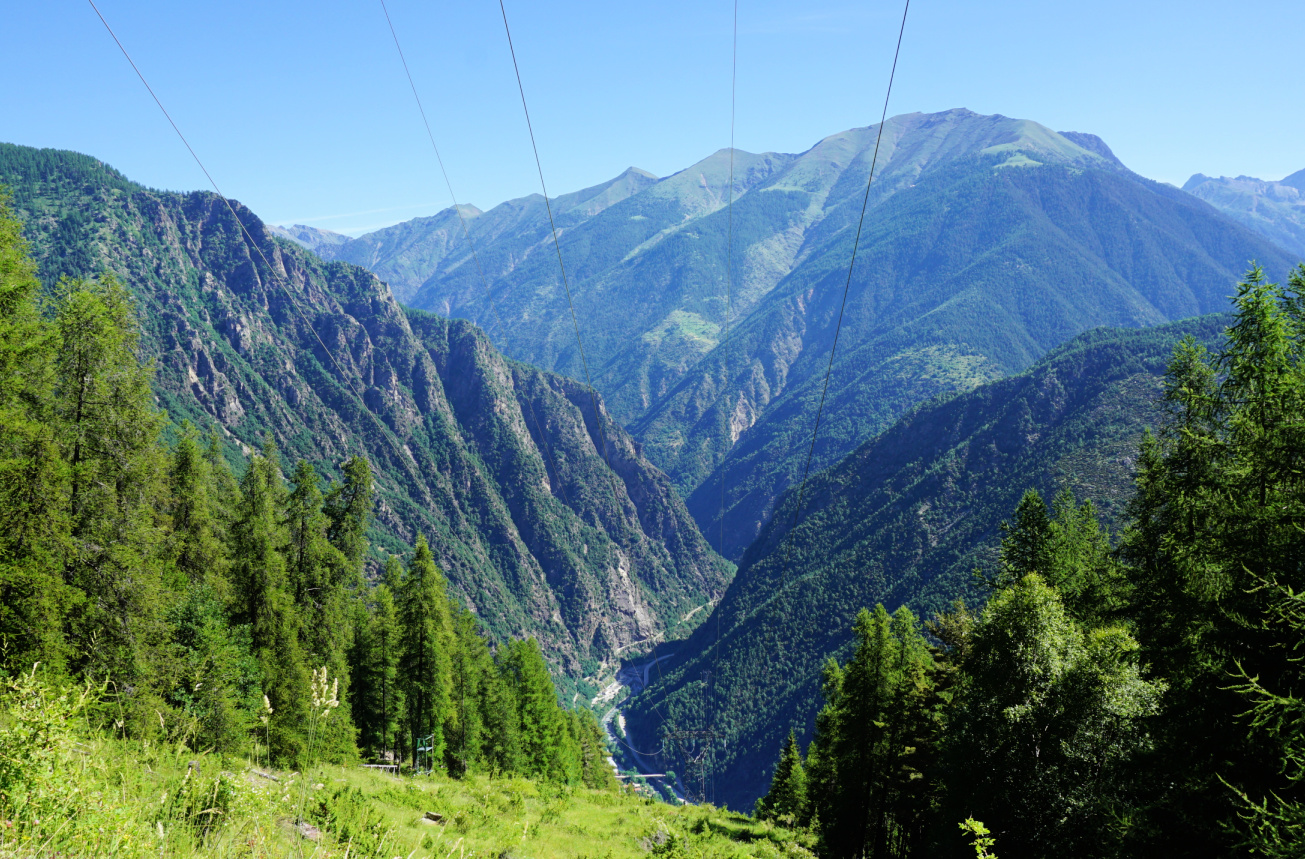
1276,210
504,468
971,364
987,241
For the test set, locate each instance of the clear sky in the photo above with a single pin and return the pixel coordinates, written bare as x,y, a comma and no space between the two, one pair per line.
301,110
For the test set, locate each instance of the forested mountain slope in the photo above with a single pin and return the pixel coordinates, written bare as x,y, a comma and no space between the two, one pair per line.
498,464
972,274
1275,210
988,241
905,520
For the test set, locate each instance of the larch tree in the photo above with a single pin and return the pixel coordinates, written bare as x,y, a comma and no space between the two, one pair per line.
425,667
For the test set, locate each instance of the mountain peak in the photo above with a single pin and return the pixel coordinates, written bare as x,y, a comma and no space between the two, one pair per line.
311,238
1091,143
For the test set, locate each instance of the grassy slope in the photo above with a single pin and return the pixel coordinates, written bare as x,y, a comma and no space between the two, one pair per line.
70,791
905,519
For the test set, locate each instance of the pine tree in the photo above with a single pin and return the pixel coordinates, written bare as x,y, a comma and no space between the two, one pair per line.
425,667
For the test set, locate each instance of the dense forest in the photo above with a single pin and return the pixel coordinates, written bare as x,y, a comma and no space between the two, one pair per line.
1140,699
227,608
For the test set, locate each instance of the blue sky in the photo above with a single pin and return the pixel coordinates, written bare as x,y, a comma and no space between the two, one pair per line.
301,110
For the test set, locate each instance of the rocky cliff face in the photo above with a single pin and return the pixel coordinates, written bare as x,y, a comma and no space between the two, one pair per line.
501,465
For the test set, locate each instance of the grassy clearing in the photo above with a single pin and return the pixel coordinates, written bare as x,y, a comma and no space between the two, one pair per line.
68,790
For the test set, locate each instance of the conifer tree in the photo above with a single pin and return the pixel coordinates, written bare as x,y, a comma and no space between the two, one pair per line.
319,578
472,667
425,667
349,513
197,550
33,474
379,702
787,797
547,750
267,605
1213,549
108,427
866,773
595,772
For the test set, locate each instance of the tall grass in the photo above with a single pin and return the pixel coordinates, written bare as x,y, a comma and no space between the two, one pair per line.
68,789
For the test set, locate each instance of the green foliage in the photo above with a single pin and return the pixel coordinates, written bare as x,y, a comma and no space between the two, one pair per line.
1213,550
983,840
201,604
425,668
874,736
787,797
1047,717
907,519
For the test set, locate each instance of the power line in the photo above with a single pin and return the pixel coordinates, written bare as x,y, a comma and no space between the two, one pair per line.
725,353
400,449
230,208
466,234
797,509
598,418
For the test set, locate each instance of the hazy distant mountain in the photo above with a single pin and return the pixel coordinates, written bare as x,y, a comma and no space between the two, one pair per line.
989,240
1276,210
309,237
500,465
904,519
